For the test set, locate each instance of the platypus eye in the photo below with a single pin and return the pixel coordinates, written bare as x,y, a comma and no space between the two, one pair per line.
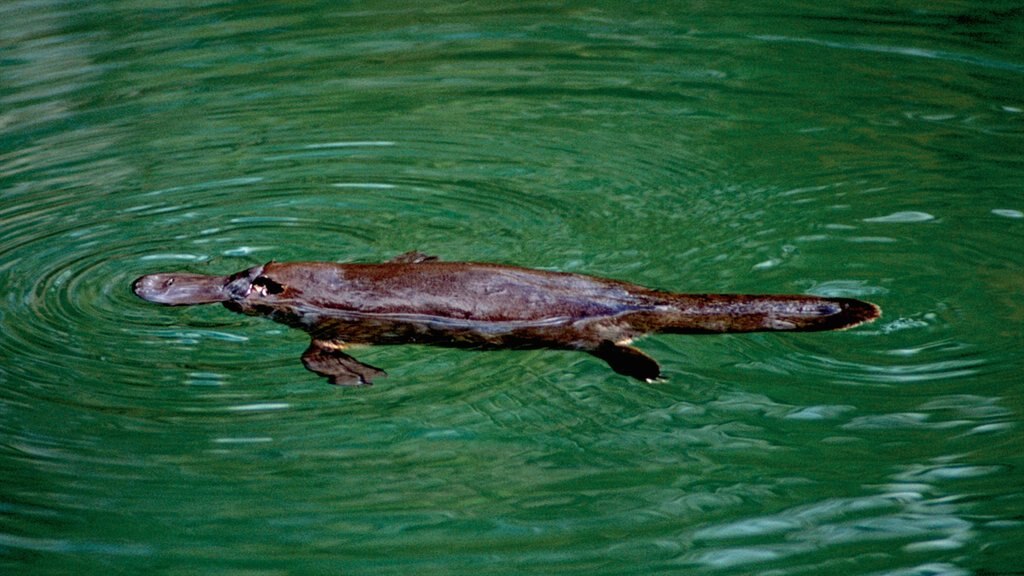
265,286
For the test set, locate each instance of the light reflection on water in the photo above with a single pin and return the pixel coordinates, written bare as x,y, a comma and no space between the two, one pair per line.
863,158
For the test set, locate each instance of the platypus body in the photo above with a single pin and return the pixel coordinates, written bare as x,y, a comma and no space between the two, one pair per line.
416,299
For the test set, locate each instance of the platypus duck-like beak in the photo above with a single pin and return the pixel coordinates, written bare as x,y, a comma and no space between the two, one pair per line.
182,289
176,289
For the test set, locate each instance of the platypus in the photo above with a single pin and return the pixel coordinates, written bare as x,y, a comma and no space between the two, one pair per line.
417,299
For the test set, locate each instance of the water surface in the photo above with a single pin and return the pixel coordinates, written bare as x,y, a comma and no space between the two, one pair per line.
866,151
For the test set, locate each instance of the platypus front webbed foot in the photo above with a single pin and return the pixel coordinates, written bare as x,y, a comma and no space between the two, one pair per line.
326,358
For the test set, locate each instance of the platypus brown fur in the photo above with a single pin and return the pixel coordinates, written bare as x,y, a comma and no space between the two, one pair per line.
416,299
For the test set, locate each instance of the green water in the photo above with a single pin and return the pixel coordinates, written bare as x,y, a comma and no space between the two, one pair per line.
872,150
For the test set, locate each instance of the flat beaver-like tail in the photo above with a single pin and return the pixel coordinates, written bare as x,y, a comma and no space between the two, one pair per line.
716,313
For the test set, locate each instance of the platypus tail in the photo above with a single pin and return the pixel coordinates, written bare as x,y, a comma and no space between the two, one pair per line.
720,313
717,313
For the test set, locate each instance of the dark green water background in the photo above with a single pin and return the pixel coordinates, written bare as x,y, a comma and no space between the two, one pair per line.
867,149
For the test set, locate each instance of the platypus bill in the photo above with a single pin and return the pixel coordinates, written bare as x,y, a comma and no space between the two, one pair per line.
416,299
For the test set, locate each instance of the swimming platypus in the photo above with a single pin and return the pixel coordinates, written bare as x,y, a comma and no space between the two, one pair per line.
416,299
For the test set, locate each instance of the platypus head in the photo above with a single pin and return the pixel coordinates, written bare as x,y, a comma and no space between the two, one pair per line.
176,289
